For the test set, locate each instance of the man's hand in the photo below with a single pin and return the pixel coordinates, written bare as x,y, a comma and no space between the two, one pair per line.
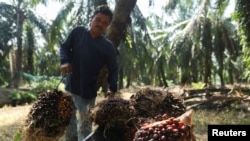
65,68
110,94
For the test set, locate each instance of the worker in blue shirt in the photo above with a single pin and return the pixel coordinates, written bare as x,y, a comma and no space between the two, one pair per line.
82,55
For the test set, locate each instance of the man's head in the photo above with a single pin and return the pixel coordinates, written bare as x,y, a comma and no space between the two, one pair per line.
100,20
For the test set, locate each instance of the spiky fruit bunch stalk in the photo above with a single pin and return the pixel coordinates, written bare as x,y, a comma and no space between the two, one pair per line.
149,103
111,109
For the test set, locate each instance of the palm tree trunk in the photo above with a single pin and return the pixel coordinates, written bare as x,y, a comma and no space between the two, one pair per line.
207,43
117,30
162,72
19,58
12,63
30,50
121,20
121,75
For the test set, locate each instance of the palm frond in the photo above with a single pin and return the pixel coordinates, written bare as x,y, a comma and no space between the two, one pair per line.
38,21
55,29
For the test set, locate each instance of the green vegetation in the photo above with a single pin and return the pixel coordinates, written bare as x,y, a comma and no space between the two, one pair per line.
21,97
202,118
189,42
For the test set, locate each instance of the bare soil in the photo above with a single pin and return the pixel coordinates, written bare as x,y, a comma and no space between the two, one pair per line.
12,119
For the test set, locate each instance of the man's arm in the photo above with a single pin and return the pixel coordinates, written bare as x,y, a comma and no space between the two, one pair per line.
112,66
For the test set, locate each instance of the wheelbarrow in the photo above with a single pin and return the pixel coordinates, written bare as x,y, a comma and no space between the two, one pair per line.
96,135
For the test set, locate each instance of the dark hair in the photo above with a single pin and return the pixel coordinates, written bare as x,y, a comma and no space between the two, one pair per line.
104,9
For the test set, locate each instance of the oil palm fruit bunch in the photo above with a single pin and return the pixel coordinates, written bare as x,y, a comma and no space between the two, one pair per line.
112,115
152,102
109,109
50,114
167,129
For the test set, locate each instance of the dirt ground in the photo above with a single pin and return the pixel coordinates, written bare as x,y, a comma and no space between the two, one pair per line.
12,118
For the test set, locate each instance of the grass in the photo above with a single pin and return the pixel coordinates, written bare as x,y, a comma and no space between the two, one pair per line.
202,118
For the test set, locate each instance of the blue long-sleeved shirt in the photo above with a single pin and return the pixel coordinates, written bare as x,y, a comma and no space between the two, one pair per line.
87,56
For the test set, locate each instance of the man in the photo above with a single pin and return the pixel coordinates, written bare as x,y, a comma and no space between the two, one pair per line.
82,56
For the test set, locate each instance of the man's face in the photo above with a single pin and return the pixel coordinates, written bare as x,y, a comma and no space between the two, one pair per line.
99,24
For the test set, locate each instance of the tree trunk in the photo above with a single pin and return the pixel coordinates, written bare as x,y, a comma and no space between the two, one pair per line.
220,73
162,73
18,66
12,63
102,80
121,75
117,30
206,42
121,20
30,50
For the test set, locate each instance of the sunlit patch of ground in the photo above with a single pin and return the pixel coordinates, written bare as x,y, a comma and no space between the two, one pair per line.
12,118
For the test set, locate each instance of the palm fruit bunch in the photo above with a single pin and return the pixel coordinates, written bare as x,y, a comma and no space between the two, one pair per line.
111,116
166,128
150,103
49,115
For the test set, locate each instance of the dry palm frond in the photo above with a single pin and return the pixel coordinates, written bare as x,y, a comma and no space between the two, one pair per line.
150,103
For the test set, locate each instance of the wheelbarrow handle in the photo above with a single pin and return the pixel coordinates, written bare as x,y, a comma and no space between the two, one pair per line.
91,134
